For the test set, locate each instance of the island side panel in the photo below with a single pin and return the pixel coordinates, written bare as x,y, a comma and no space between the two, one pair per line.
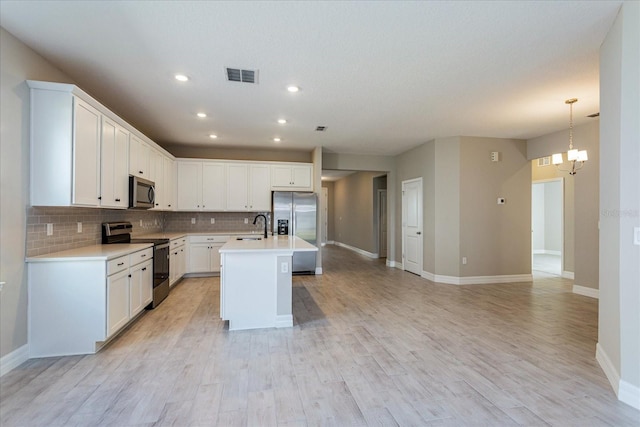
284,311
250,288
67,303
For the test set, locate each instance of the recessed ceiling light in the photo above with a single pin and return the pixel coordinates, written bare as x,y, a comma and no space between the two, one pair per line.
202,115
293,88
282,121
182,78
212,136
276,139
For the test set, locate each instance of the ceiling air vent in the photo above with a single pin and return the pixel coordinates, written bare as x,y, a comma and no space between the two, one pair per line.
544,161
321,128
594,115
243,76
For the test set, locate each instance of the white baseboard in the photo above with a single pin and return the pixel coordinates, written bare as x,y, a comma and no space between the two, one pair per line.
629,394
587,292
14,359
330,242
394,264
608,368
284,321
476,280
318,270
568,275
357,250
546,252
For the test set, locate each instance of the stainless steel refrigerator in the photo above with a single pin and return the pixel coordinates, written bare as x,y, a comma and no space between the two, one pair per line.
294,214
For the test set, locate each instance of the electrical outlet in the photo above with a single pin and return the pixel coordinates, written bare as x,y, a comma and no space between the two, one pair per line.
636,236
79,227
284,267
246,220
49,229
213,220
140,223
193,220
464,260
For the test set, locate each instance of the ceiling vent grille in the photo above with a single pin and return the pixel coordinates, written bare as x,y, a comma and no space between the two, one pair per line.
321,128
242,76
544,161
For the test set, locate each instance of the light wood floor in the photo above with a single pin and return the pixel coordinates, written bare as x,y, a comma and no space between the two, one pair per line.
370,346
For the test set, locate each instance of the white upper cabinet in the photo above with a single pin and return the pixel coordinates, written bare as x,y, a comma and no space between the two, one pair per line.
213,186
201,186
169,180
114,174
292,177
259,188
237,187
65,147
139,153
156,164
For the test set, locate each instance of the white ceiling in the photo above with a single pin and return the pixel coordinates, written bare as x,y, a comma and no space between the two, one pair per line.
382,76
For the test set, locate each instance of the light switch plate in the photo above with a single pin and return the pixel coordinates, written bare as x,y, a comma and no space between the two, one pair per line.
636,236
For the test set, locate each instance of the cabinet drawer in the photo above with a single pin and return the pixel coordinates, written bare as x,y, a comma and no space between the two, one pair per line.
178,242
138,257
208,239
117,265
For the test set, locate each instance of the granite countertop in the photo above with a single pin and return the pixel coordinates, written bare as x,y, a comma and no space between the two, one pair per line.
91,253
284,244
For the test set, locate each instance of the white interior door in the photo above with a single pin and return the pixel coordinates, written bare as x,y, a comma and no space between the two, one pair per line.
412,225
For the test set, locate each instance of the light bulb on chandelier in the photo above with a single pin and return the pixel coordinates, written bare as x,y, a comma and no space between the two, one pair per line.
575,157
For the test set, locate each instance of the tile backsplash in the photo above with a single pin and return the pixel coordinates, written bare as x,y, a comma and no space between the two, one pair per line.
65,225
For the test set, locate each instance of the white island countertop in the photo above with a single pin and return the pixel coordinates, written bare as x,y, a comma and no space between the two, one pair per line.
91,253
275,244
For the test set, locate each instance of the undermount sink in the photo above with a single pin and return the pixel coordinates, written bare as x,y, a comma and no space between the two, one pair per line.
248,238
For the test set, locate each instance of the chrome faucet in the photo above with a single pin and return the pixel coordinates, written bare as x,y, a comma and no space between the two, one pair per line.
265,223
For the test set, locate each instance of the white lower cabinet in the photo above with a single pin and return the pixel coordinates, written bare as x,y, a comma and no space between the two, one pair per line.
177,259
76,304
204,255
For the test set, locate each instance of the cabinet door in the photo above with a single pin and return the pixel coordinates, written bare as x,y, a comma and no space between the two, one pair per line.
173,266
117,301
259,188
189,186
281,176
301,176
138,158
213,179
156,162
237,187
146,283
86,154
199,258
135,290
169,179
114,176
215,257
182,263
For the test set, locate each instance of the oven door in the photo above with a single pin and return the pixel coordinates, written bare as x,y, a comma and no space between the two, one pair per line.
160,264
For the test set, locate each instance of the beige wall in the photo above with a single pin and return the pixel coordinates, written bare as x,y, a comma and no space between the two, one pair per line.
17,64
618,349
205,152
496,239
581,198
353,210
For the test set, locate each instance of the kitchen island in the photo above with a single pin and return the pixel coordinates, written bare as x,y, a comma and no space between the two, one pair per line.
255,281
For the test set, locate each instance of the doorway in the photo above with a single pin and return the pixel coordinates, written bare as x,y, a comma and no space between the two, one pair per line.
325,216
382,223
547,226
412,226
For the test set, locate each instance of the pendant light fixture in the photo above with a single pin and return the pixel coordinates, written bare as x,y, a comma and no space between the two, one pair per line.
575,157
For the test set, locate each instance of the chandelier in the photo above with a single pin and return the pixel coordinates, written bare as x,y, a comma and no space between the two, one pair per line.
575,157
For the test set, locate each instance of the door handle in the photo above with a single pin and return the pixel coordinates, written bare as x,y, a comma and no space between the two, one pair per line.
418,232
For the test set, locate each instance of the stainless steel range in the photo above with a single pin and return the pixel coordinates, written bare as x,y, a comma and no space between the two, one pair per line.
120,232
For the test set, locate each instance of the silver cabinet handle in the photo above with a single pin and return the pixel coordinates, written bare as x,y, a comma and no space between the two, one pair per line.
120,263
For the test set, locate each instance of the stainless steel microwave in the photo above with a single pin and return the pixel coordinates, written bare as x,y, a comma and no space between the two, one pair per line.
142,193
